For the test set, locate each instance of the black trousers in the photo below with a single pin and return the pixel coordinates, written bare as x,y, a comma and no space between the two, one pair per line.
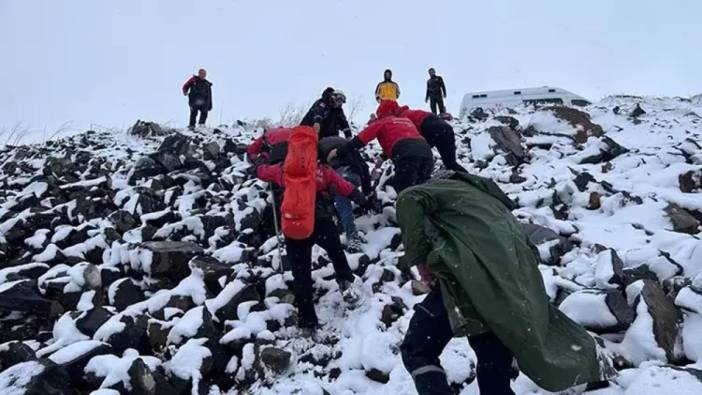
193,116
300,255
439,134
411,170
430,331
437,101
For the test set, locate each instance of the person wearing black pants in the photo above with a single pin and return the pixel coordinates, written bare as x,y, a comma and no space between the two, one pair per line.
199,92
430,331
193,116
413,164
326,236
436,92
439,134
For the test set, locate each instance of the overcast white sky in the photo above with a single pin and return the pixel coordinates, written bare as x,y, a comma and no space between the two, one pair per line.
111,62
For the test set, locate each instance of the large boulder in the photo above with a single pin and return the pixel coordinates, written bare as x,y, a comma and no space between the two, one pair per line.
34,378
682,220
509,141
170,258
580,120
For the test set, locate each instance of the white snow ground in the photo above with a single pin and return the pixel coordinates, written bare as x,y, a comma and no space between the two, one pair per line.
356,341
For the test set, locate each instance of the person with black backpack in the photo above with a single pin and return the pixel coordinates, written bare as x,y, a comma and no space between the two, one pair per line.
199,92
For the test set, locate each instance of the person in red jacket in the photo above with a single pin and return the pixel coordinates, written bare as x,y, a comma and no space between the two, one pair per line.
325,235
400,141
199,92
437,132
272,145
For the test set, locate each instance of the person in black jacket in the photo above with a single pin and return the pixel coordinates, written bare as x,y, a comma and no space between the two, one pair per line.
199,92
436,92
328,113
353,169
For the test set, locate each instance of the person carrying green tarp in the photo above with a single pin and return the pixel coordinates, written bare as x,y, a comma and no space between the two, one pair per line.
460,233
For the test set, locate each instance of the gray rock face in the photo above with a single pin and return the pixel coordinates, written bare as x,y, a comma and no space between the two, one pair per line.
170,258
275,359
508,141
682,220
666,317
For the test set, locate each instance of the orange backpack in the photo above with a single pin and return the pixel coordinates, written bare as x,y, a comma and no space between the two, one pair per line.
299,179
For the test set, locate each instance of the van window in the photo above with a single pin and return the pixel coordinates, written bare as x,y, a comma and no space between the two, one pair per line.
551,91
517,92
553,100
579,102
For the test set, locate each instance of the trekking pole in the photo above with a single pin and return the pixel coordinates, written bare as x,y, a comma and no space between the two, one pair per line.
281,269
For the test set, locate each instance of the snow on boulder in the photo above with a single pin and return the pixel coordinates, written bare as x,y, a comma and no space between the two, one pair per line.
190,363
197,322
35,377
111,371
599,311
690,299
14,352
123,293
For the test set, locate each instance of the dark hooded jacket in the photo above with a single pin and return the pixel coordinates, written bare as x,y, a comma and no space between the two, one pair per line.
332,120
199,92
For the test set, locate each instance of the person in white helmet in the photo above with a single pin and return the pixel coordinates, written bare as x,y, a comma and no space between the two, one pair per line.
327,115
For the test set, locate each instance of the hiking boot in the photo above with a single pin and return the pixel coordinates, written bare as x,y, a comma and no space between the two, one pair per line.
351,292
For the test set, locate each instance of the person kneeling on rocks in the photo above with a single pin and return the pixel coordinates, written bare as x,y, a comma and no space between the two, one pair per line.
458,230
437,132
355,170
400,141
325,235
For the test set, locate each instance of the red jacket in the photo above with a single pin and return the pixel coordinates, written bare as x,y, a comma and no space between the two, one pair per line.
416,116
327,179
268,138
189,82
389,130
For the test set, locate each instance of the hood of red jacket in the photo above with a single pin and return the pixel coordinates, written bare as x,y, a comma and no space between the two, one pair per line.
387,108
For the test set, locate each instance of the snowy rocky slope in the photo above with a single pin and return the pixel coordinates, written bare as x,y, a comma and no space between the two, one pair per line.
144,262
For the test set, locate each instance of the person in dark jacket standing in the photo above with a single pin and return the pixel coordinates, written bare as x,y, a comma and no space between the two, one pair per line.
436,92
400,141
438,133
353,169
199,92
328,113
328,184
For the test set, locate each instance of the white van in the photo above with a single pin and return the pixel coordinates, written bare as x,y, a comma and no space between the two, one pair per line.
497,100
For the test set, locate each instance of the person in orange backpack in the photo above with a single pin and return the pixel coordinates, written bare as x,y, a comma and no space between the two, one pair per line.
325,234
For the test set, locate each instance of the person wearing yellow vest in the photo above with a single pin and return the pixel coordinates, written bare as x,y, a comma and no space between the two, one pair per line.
387,89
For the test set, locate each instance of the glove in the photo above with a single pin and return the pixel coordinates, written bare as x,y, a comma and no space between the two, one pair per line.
332,155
